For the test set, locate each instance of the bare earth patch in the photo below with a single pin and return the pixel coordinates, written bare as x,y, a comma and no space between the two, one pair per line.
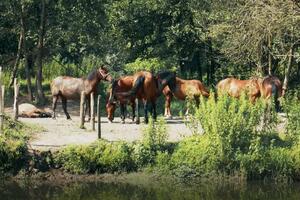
59,132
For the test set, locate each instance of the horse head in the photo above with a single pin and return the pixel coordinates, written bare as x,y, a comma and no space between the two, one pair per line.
164,79
104,74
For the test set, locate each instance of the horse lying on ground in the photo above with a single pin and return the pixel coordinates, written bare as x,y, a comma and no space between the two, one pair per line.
183,89
147,87
27,110
123,84
67,87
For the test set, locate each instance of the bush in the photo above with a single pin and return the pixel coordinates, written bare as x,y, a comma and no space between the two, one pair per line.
151,65
101,156
154,140
238,137
13,148
291,107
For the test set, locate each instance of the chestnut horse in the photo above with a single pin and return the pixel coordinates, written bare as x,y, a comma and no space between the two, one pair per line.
148,87
235,87
67,87
123,84
183,89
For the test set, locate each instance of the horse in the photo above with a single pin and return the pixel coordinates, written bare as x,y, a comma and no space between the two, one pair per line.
271,87
123,84
184,88
148,87
67,87
235,87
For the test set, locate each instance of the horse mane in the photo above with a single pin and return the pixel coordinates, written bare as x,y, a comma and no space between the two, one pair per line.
92,75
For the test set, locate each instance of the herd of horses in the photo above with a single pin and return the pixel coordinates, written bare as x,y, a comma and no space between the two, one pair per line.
147,87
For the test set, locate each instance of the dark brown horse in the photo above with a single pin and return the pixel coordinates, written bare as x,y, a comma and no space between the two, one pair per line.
271,87
123,84
183,89
67,87
235,87
148,87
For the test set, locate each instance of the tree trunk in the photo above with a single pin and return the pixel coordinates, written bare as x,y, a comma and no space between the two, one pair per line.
269,54
212,62
25,51
288,69
28,76
259,60
40,97
16,65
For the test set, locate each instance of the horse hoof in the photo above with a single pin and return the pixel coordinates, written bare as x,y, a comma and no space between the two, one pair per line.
137,122
69,118
110,121
123,122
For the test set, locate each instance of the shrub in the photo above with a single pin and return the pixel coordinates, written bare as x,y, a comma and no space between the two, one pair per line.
291,107
101,156
13,148
238,136
154,141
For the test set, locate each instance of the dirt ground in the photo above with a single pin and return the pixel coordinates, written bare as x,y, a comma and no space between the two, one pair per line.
61,132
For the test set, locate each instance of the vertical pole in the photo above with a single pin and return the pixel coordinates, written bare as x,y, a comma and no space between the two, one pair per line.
92,111
1,103
137,111
99,116
16,99
82,100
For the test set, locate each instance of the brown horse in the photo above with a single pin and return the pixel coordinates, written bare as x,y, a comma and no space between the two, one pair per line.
271,87
183,89
148,87
67,87
123,84
235,87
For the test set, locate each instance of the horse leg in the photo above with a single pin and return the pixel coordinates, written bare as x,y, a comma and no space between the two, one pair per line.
64,105
54,102
154,115
133,110
88,108
168,106
146,120
122,108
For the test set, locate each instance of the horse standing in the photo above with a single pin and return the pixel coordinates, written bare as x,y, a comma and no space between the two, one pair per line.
271,87
183,89
123,84
67,87
147,87
235,87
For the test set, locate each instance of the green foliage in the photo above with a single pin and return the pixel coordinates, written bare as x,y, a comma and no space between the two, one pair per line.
151,64
237,137
101,156
13,147
291,107
154,140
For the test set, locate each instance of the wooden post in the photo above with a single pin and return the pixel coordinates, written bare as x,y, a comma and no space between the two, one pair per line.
82,101
1,102
99,116
92,111
16,100
137,111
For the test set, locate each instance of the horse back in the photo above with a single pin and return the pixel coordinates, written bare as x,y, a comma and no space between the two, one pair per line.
68,87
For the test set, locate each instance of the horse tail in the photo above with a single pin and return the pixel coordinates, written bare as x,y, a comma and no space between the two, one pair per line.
275,95
137,85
